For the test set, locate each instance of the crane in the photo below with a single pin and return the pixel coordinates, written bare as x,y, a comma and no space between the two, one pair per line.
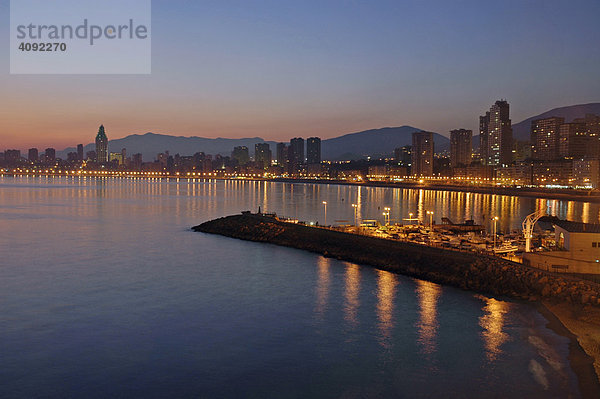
528,225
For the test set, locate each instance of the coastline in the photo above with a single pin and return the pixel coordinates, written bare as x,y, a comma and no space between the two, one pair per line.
552,194
562,300
563,194
584,351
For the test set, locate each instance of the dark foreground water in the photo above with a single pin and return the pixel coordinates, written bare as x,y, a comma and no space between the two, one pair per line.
105,292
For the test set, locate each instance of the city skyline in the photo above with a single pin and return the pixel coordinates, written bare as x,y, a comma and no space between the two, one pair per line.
279,71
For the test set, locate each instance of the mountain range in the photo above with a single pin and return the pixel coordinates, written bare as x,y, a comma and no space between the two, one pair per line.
374,142
521,130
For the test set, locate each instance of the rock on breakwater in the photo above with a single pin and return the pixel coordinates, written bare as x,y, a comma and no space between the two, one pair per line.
469,271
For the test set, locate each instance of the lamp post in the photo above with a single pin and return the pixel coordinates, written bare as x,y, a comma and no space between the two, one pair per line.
355,213
430,213
495,219
387,213
325,204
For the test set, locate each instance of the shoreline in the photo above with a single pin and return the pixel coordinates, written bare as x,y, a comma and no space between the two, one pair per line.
561,194
584,364
560,299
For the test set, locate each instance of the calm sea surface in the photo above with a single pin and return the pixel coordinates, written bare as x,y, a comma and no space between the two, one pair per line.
105,292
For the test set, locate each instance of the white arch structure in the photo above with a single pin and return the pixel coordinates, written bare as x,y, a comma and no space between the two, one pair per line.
529,224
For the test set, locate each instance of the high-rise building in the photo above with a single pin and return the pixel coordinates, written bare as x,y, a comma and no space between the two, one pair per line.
573,140
484,124
592,125
33,155
313,151
545,138
262,155
240,154
116,157
422,154
403,156
80,152
101,146
497,138
12,157
136,161
50,155
461,147
297,151
282,154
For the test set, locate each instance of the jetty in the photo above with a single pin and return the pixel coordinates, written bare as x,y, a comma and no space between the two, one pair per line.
472,271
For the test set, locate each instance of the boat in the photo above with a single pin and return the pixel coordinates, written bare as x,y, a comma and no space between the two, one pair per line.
506,248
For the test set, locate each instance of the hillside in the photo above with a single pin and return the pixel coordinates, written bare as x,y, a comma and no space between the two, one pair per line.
350,146
375,143
521,130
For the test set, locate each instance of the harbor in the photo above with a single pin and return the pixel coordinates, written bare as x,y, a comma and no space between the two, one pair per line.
537,234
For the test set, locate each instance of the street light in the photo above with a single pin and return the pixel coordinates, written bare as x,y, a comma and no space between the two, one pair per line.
355,213
430,213
495,219
387,213
325,203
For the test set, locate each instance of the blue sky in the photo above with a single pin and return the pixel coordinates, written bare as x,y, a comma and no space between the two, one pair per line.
278,69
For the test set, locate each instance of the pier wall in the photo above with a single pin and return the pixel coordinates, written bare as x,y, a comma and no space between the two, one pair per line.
469,271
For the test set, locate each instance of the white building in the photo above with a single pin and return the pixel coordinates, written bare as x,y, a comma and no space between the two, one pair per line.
578,250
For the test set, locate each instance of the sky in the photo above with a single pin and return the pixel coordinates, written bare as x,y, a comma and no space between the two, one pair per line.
281,69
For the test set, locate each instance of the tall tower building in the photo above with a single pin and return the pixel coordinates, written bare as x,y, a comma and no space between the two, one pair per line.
574,141
282,154
498,138
313,151
50,154
592,123
262,155
403,156
545,138
80,152
422,154
32,155
101,146
484,123
297,150
461,147
240,154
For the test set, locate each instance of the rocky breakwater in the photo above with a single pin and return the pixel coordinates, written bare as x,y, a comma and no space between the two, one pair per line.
469,271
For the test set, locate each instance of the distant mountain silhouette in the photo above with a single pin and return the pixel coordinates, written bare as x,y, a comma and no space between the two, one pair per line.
151,144
521,130
374,143
377,142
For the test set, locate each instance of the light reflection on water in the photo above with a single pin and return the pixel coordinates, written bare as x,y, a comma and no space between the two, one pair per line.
492,323
323,284
352,292
428,294
304,201
104,286
386,289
